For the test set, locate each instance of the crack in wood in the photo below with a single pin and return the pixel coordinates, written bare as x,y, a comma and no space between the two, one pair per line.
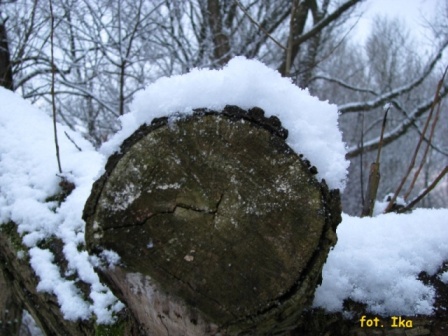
170,212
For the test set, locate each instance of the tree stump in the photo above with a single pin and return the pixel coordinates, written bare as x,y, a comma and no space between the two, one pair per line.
221,228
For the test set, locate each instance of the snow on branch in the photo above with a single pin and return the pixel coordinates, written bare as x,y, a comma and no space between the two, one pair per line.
381,100
344,84
90,94
398,130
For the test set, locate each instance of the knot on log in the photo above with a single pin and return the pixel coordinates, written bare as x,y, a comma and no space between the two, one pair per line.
221,227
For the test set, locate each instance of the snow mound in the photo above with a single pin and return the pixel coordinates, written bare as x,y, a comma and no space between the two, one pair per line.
312,124
28,177
377,261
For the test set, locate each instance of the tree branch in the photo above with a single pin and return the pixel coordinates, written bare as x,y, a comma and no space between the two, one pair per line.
431,135
344,84
259,26
435,102
425,192
326,21
397,131
381,100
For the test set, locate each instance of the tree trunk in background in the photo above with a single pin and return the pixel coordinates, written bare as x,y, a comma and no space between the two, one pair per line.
298,20
5,58
221,51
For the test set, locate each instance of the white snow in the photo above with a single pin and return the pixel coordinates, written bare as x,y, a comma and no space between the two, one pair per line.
28,176
168,186
381,206
312,124
30,325
444,277
377,261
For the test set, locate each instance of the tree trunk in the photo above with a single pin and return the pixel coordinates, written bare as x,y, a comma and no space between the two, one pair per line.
5,59
299,16
221,228
221,45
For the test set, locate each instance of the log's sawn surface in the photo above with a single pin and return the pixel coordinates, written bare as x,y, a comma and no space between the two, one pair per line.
220,226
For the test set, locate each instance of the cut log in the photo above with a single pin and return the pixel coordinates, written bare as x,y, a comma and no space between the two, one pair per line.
220,226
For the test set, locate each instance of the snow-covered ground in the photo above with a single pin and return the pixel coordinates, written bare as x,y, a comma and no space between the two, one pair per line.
376,260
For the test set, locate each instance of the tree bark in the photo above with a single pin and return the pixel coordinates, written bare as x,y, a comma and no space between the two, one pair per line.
10,307
22,287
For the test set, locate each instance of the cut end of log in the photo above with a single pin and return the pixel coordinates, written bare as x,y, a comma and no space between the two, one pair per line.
218,214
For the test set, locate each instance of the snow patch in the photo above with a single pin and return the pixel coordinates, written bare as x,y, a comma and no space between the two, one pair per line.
444,277
377,260
168,186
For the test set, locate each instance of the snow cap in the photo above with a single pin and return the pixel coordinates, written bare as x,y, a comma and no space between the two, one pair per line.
312,124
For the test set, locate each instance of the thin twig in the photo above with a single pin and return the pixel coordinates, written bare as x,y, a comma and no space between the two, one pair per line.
53,101
426,191
72,141
417,149
259,26
428,145
361,166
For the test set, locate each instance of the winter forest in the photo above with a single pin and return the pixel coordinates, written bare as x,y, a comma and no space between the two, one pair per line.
84,63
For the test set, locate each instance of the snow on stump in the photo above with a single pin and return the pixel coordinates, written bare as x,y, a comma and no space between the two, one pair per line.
221,228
